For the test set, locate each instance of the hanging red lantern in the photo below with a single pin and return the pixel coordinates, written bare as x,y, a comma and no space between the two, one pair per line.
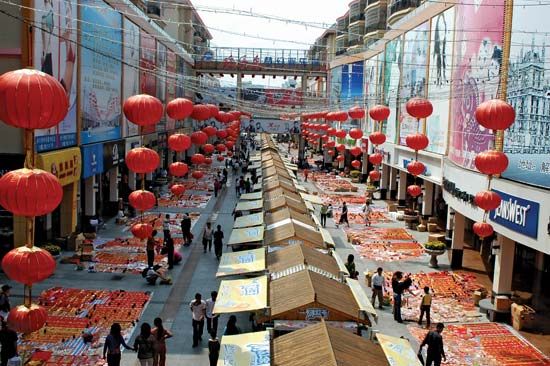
213,110
330,152
200,112
142,230
208,161
230,153
483,229
376,158
331,131
356,164
177,189
179,108
340,116
178,169
220,147
329,117
199,138
26,320
324,137
341,134
356,113
487,200
179,142
222,117
221,134
324,146
220,158
416,168
374,175
210,131
417,141
377,138
142,160
143,110
355,151
491,162
331,144
355,133
340,158
229,145
30,192
341,147
208,149
495,114
419,108
28,265
414,190
197,174
142,200
379,112
31,99
197,159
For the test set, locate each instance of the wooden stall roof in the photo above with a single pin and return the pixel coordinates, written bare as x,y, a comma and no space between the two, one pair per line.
288,213
282,202
300,254
320,344
275,171
281,191
292,231
276,182
306,287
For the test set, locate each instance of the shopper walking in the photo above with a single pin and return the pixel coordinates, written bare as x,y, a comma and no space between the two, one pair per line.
5,305
144,345
166,225
211,318
377,282
367,211
306,173
399,285
324,211
231,328
169,249
436,351
344,215
425,307
350,266
111,348
186,230
207,237
8,341
198,309
161,335
150,249
218,242
213,349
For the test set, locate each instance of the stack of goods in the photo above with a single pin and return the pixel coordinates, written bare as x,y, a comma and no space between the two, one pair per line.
184,201
487,344
390,251
156,221
75,314
337,199
332,183
358,236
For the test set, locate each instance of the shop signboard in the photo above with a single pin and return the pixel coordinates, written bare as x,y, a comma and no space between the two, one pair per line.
113,154
351,92
517,214
245,349
64,164
92,160
273,126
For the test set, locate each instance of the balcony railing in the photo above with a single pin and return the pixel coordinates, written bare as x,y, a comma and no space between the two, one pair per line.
376,27
400,5
357,18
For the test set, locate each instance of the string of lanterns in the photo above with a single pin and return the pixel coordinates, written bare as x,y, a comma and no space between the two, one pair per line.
378,114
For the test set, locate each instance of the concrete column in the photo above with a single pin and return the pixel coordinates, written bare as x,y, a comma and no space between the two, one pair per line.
538,285
393,182
402,187
239,86
384,181
450,223
68,209
89,203
457,244
132,180
113,184
504,266
304,86
428,199
365,165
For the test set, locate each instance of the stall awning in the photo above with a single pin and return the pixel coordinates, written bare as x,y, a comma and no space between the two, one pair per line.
361,297
398,351
256,157
249,220
312,198
327,238
241,295
246,261
257,187
245,350
251,196
249,205
246,235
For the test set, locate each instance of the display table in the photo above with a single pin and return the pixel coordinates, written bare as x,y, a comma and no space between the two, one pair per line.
488,308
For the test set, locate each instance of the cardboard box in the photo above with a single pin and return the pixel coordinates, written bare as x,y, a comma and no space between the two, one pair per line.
421,228
432,228
436,237
502,303
478,296
523,317
392,207
432,220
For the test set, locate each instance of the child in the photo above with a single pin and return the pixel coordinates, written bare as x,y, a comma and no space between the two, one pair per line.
425,306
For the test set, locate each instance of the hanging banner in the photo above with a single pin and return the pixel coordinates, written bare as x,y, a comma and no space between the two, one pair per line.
335,87
170,86
371,91
147,78
272,126
161,82
392,78
130,74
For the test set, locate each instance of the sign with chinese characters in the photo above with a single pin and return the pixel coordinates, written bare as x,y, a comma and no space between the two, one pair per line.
316,314
242,295
246,235
517,214
246,261
64,164
250,349
398,351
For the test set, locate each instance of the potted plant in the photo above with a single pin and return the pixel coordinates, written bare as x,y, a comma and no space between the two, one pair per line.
434,248
354,174
371,188
54,250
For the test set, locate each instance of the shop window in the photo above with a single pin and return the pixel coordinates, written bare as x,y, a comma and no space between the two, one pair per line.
524,265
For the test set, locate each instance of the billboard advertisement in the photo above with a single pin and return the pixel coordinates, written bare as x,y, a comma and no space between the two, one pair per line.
101,72
439,84
476,76
413,78
56,53
161,82
130,74
392,81
527,141
335,86
275,126
270,96
170,86
147,77
351,92
371,90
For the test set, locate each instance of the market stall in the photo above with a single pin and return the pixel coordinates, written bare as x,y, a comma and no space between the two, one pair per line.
272,218
242,295
398,350
249,220
245,350
278,192
280,202
292,233
246,237
243,262
254,196
246,207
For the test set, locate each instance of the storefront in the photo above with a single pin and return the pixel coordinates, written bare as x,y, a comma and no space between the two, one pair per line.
126,175
8,162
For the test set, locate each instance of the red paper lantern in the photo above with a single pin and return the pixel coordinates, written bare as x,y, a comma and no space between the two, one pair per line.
379,112
330,152
32,99
331,144
220,158
221,134
220,147
416,168
340,158
199,138
200,112
143,110
376,159
355,133
414,190
210,131
377,138
355,151
142,230
178,169
179,108
213,110
197,159
341,147
208,149
375,175
142,160
483,229
356,164
495,114
419,108
179,142
28,265
177,189
356,113
331,131
417,141
341,134
142,200
324,137
208,161
229,145
26,320
197,174
30,192
491,162
230,153
487,200
340,116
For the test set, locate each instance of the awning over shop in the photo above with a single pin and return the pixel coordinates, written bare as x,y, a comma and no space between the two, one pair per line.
361,297
249,205
245,350
327,238
278,192
289,213
399,351
281,202
257,187
247,235
246,261
256,157
241,295
311,198
249,220
293,233
251,196
275,182
295,255
292,325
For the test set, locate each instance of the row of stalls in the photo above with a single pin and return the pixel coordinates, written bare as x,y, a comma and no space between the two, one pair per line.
283,270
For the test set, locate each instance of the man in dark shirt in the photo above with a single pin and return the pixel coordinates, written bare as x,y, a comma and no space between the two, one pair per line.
8,341
186,229
399,285
434,340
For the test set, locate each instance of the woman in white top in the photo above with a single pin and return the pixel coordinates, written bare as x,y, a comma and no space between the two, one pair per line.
207,237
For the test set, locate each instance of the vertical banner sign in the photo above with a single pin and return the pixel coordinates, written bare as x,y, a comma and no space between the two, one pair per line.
161,81
371,89
392,77
130,70
351,92
335,87
170,86
147,78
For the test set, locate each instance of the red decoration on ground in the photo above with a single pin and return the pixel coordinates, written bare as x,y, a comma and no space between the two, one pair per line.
142,200
179,108
355,133
414,190
377,138
197,174
416,168
197,159
178,169
28,265
355,151
143,109
142,160
177,189
356,164
419,108
142,231
483,229
376,158
487,200
379,112
30,192
199,138
200,112
374,175
356,113
495,114
491,162
179,142
27,319
417,141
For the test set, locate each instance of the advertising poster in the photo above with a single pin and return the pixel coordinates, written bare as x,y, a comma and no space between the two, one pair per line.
241,295
351,92
160,72
274,126
527,141
413,79
392,79
476,75
335,86
56,54
245,349
170,86
130,76
371,90
101,72
286,97
439,84
147,77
